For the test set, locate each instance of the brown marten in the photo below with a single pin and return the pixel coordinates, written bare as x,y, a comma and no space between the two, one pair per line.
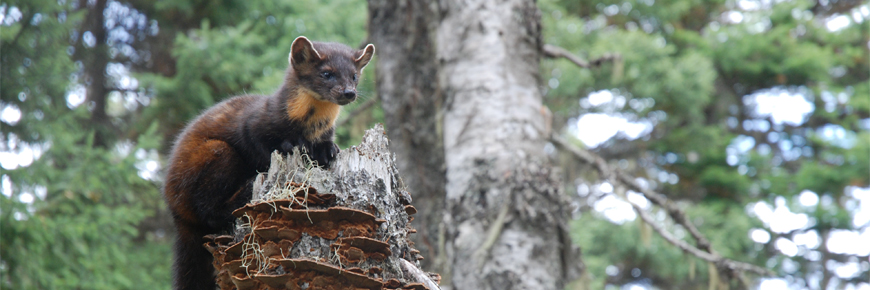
217,156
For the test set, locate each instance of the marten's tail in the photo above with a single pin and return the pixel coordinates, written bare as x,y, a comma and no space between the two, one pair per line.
193,268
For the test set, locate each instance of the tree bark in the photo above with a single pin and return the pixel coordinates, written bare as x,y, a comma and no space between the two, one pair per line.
95,59
506,220
407,83
311,228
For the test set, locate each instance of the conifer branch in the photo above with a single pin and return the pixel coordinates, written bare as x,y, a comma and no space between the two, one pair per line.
703,249
553,51
25,24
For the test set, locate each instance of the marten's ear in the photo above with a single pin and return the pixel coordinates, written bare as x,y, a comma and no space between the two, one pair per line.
302,51
365,56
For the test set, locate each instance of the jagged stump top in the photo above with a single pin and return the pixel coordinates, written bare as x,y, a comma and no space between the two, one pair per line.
310,228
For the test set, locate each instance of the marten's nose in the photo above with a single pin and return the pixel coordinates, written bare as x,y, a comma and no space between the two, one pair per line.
349,94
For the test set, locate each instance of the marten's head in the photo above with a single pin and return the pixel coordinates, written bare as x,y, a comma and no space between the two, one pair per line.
328,71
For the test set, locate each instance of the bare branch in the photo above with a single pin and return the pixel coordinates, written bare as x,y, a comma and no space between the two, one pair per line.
419,275
673,211
671,238
714,258
703,251
122,90
553,51
493,234
350,115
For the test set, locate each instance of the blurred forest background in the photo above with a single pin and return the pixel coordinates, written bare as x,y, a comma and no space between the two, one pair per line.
751,116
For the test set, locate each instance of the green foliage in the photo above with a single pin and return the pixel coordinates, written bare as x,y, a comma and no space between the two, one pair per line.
89,215
602,240
249,57
86,200
692,71
85,215
36,66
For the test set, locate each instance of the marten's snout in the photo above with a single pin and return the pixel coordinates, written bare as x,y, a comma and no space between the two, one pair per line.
347,96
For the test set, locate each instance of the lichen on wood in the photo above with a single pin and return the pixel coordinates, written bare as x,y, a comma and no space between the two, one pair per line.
306,227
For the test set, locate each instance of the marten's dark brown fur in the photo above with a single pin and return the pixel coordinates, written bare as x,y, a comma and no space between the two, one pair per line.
217,156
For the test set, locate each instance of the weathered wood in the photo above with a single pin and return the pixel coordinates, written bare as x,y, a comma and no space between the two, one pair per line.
342,228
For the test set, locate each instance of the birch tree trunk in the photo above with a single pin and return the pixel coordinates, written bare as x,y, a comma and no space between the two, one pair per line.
504,225
407,84
506,216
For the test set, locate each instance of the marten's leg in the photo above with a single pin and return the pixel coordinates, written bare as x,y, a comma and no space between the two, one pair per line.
203,188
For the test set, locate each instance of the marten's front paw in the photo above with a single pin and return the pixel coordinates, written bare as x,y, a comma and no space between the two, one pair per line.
304,145
324,153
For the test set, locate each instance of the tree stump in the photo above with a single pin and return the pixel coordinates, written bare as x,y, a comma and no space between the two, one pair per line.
345,227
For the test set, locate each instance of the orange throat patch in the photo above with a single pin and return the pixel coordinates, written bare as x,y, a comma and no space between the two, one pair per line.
318,116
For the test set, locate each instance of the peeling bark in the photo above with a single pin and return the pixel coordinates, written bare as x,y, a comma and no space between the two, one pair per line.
309,228
507,217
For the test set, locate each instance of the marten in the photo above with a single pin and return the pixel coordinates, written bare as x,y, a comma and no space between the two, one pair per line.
216,157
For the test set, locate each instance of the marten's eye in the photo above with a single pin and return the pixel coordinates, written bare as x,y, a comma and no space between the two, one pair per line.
327,75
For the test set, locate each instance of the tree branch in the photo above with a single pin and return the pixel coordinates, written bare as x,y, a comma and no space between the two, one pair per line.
617,176
493,234
703,250
553,51
123,90
24,25
714,258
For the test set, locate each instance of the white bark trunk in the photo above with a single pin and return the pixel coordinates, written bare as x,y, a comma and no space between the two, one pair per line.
506,215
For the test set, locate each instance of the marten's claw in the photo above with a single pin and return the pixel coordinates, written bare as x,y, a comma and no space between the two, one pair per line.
335,151
324,153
